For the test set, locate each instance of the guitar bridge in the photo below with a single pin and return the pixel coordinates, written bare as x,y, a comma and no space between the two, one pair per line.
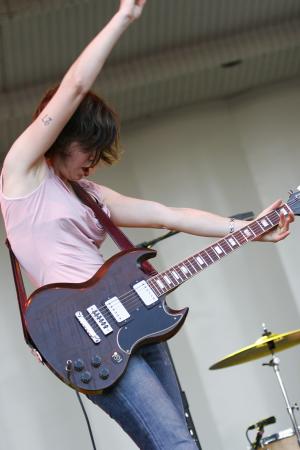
90,331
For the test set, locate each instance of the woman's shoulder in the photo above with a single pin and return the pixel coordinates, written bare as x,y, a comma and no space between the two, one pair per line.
16,186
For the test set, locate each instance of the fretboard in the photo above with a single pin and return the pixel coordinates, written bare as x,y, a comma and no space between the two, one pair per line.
168,280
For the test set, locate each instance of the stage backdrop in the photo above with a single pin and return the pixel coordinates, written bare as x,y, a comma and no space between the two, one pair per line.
227,157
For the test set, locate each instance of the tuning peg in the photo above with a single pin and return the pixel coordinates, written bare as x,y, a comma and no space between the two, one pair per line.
290,192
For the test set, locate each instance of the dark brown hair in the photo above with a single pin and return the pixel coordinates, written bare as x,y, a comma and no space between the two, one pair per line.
94,126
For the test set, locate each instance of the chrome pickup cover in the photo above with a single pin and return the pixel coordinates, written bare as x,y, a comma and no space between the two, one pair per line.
116,308
145,293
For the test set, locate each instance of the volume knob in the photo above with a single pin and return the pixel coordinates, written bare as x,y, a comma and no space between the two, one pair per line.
78,365
96,361
104,373
86,377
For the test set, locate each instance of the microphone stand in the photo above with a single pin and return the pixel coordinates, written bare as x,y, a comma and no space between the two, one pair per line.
249,215
259,436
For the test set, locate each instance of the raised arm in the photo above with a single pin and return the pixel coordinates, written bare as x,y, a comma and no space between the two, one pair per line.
25,160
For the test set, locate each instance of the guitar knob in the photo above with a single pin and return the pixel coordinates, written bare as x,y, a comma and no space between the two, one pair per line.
86,377
104,373
78,365
96,361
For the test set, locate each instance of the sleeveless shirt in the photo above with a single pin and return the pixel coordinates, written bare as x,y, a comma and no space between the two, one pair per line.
54,236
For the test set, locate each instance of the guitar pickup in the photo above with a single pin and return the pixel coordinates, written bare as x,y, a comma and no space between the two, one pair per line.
117,310
145,293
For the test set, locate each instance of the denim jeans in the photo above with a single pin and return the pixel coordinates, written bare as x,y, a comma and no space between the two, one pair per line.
146,402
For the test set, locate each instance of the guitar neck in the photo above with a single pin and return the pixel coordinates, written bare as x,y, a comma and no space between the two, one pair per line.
166,281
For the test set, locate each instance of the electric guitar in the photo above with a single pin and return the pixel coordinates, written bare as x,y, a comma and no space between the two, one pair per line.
86,332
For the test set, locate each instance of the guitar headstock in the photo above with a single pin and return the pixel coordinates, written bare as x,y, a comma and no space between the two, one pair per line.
294,201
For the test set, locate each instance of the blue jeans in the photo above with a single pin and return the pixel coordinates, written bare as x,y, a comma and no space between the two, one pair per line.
147,404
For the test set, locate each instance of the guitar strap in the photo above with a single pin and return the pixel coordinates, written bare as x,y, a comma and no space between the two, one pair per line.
117,235
21,292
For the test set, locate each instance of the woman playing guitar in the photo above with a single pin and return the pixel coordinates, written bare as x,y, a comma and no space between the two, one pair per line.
57,239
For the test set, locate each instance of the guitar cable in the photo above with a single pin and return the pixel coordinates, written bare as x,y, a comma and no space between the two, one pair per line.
87,420
69,367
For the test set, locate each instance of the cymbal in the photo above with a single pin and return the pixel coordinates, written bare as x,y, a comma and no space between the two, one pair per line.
264,346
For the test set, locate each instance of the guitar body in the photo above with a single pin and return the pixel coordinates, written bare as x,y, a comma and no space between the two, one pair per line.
86,332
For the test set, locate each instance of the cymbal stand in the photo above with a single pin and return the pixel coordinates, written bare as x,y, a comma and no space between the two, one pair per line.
274,363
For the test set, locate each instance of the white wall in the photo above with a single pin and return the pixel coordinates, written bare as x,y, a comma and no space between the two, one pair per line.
227,157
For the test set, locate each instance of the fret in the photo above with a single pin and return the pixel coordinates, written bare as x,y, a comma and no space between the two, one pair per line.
157,283
154,287
274,217
208,258
270,221
276,212
167,279
196,264
170,275
212,254
183,278
284,210
264,222
240,237
219,250
232,242
184,269
176,275
201,261
225,246
256,228
160,284
192,266
247,233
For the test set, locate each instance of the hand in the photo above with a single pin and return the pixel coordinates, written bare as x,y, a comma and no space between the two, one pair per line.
132,9
282,230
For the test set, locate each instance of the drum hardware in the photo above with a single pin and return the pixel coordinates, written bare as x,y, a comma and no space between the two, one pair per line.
283,440
265,345
274,363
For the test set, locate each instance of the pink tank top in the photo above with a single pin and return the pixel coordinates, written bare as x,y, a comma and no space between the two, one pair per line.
55,237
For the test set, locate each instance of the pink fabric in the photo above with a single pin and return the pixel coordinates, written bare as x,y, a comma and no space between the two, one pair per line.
54,236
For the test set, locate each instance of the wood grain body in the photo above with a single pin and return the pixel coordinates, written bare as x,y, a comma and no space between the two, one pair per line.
59,337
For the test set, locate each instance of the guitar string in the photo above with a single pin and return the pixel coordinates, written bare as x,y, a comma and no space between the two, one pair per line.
131,298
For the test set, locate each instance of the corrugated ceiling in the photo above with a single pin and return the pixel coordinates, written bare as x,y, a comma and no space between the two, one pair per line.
173,55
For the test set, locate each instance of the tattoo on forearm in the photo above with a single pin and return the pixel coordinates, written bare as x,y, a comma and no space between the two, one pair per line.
46,120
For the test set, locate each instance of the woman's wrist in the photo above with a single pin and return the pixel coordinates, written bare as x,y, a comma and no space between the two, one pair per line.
231,225
122,19
125,18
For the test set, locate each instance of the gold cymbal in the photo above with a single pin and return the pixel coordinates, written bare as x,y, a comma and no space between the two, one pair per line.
264,346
